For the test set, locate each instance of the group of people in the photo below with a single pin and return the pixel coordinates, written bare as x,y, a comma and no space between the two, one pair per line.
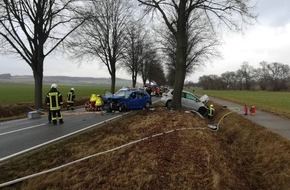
95,103
54,102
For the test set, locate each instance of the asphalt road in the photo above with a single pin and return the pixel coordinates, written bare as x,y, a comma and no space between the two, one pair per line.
21,136
276,124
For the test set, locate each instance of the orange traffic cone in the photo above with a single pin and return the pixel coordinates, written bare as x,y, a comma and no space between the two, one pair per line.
253,110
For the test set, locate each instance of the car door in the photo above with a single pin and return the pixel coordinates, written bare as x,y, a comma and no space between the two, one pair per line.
133,101
141,100
190,101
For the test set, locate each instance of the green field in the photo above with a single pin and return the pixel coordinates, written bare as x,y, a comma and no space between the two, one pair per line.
19,93
274,102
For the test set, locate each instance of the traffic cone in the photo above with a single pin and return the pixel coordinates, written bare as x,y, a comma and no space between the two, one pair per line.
245,110
253,110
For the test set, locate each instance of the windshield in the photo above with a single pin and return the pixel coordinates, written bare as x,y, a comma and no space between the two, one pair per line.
123,93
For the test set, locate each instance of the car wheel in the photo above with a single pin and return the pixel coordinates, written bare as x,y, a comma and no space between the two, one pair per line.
122,107
168,104
202,111
147,105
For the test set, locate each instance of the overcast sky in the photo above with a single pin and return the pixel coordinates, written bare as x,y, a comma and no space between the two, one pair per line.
268,40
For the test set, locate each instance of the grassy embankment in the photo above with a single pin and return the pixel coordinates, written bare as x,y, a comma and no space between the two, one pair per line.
240,155
273,102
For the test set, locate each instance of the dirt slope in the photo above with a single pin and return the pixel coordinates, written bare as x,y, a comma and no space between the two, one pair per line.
184,155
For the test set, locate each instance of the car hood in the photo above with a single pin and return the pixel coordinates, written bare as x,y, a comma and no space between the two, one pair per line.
204,98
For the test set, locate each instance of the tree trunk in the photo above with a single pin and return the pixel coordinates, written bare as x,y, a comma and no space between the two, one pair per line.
113,82
38,77
144,78
134,79
179,78
180,65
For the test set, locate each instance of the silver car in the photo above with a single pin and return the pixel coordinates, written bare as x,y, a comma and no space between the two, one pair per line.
188,100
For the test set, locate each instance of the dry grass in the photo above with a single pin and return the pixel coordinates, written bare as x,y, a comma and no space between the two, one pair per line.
20,110
241,155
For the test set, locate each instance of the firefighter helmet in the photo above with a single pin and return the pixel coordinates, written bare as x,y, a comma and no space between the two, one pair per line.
53,86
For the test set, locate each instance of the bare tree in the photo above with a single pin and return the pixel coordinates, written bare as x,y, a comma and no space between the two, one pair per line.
278,73
34,29
177,15
103,34
262,75
150,58
141,56
246,75
210,82
135,51
202,43
157,73
229,80
144,69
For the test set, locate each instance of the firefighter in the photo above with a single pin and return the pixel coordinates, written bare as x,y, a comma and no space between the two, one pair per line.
158,91
211,111
99,103
148,90
93,100
54,102
70,99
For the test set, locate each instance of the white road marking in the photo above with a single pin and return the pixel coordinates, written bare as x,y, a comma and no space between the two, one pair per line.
59,138
34,126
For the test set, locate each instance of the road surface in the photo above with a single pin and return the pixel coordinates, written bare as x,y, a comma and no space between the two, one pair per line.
275,123
21,136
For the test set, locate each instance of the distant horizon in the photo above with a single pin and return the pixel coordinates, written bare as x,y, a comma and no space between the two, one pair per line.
1,74
7,77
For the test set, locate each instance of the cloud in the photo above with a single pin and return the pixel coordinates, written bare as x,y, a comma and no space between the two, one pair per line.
268,40
273,13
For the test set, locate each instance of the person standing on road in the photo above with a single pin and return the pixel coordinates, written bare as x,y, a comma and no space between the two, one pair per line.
54,102
71,99
148,90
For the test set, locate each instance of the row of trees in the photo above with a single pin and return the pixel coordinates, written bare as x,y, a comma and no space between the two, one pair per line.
103,30
269,76
113,32
113,35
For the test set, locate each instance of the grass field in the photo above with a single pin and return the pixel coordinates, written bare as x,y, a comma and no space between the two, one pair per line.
19,93
274,102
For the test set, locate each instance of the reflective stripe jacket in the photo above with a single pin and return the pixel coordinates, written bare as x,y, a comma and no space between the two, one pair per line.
54,99
211,112
70,97
99,101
